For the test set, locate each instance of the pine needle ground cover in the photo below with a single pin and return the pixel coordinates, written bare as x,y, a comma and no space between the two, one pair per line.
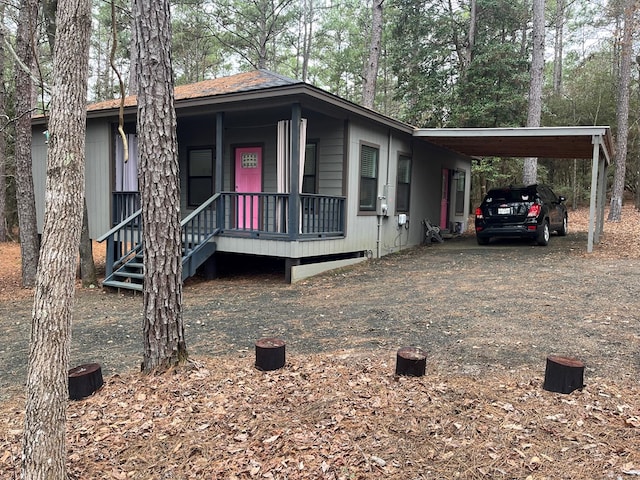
337,410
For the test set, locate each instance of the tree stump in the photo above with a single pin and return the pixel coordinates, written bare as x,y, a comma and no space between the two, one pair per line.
270,354
411,361
84,380
563,374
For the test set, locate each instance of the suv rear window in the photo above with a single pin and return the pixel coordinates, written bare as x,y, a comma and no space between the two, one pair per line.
510,195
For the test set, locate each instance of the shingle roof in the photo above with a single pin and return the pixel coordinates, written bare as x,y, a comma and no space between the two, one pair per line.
242,82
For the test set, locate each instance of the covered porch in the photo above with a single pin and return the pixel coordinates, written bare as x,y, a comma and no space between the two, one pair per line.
248,214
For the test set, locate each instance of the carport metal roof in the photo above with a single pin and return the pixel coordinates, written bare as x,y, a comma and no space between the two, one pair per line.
540,142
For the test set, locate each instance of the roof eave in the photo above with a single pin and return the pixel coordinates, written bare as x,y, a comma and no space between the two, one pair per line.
504,138
298,89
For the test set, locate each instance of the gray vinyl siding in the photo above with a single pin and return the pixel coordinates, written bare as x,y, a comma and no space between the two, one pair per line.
39,170
330,136
97,175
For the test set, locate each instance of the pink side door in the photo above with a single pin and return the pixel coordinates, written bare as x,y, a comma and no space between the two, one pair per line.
444,200
248,176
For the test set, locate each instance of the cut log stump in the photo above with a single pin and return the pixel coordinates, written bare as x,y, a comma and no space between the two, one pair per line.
411,361
84,380
270,354
563,374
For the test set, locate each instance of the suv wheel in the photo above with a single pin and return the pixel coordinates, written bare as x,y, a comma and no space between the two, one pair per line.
482,241
564,229
543,234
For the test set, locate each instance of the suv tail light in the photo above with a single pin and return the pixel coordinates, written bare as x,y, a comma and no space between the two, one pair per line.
534,210
479,213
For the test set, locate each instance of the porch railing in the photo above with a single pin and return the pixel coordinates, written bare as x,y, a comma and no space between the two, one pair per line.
124,242
200,225
267,215
197,229
322,215
123,205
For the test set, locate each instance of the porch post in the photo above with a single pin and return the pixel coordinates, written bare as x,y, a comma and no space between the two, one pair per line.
219,150
294,177
220,207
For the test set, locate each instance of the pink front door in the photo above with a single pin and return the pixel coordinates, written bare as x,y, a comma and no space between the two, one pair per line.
248,180
444,200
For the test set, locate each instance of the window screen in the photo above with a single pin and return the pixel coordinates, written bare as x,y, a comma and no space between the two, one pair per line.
368,177
404,183
200,176
309,178
460,177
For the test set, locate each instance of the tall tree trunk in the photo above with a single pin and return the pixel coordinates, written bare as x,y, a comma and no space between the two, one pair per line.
308,35
49,8
3,138
622,112
133,54
530,173
29,242
87,265
44,452
471,34
464,50
371,68
558,46
163,329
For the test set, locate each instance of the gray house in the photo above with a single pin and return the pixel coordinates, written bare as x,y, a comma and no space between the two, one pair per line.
271,167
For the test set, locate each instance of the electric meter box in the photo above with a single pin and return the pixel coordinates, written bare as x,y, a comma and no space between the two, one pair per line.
382,208
382,202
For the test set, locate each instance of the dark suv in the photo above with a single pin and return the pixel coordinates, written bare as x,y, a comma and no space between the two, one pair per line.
528,212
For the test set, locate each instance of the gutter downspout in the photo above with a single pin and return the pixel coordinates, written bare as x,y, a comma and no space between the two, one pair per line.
386,184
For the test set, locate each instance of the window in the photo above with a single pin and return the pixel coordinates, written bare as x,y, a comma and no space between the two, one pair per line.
404,183
200,175
310,174
368,177
460,179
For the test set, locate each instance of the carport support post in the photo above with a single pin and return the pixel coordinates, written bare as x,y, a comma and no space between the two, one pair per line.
602,191
594,192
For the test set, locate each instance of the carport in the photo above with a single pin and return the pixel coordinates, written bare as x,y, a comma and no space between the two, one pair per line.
541,142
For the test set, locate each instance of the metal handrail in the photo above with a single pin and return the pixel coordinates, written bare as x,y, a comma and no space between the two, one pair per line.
119,226
197,211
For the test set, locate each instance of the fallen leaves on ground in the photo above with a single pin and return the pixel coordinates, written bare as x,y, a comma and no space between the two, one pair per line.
341,416
619,239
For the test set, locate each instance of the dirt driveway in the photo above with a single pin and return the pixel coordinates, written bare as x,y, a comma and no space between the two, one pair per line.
473,309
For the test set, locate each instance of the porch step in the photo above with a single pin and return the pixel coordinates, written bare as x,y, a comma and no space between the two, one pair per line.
129,276
136,265
132,275
127,267
125,285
